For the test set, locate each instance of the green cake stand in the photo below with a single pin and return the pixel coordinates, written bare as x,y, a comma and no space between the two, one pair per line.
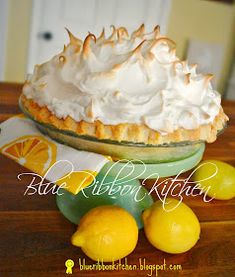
118,183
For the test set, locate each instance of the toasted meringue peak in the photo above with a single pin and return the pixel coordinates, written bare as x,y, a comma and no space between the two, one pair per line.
122,33
157,30
114,31
101,36
73,39
124,78
207,78
139,32
87,44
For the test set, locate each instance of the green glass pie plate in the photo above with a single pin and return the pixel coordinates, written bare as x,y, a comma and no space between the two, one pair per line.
137,152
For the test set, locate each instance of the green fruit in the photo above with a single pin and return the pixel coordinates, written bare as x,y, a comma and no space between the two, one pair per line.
216,178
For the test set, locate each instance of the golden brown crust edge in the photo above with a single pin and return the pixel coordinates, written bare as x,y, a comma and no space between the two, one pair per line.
125,132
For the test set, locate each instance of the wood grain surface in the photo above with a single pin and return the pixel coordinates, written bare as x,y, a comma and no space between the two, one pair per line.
35,237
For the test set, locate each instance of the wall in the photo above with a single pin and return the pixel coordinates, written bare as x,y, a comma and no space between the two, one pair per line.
19,12
206,21
3,35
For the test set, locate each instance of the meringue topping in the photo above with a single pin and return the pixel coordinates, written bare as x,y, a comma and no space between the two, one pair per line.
125,78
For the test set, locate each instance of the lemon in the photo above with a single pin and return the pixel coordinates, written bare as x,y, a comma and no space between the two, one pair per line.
222,184
172,228
106,233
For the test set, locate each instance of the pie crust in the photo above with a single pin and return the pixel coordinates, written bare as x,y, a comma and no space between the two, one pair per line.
125,132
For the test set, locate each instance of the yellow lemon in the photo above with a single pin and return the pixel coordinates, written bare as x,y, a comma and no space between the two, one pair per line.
216,178
106,233
172,228
34,152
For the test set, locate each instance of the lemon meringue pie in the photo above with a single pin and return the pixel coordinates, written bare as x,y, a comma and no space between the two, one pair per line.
130,88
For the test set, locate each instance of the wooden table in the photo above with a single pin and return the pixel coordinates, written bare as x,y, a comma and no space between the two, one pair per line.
35,237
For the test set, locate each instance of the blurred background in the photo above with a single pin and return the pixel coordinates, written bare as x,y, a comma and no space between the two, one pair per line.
31,31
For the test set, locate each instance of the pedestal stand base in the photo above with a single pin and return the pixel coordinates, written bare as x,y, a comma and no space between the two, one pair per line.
118,184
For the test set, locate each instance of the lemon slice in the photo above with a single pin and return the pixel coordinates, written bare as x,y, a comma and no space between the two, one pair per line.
77,180
33,152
